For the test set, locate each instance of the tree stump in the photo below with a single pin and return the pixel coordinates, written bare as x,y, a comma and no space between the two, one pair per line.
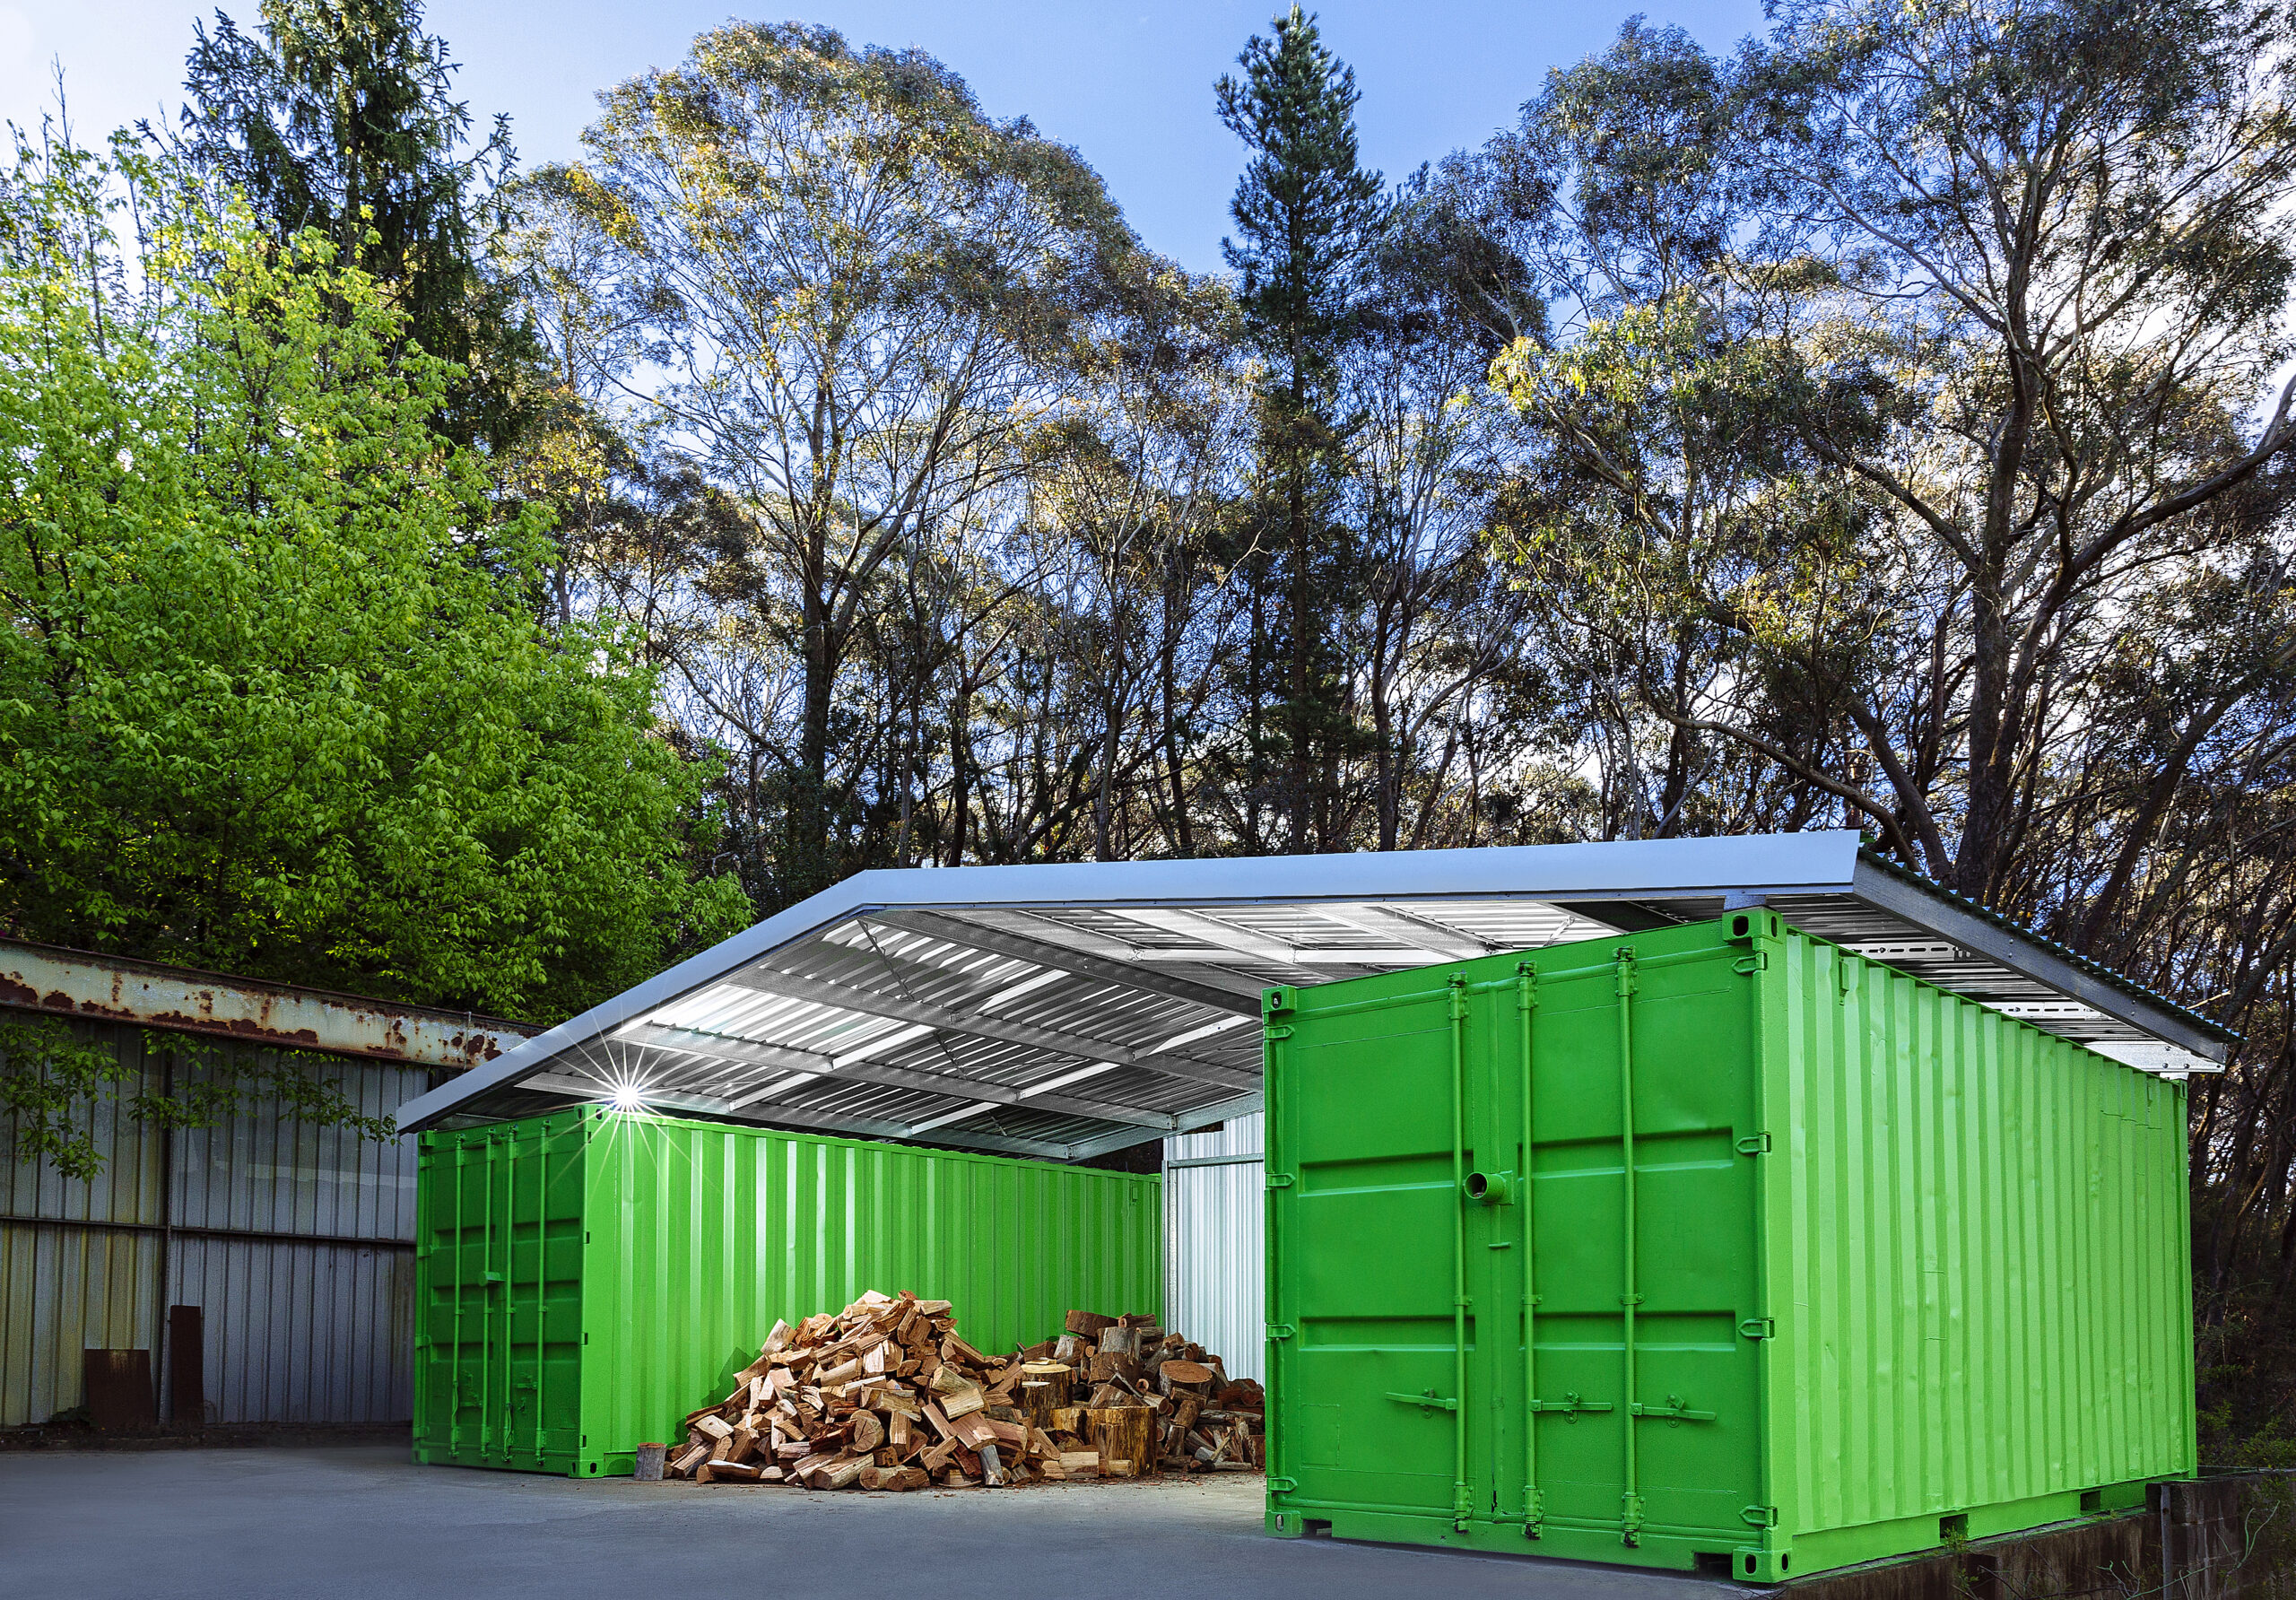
1124,1433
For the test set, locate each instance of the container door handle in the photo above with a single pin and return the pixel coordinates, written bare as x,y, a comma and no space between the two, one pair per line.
1672,1411
1430,1401
1570,1405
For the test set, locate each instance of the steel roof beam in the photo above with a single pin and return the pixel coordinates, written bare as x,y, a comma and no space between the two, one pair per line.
1389,922
1111,964
1212,930
796,1116
743,1053
1083,1047
1202,1116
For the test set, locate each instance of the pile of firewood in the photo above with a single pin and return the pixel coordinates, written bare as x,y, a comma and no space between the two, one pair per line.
887,1394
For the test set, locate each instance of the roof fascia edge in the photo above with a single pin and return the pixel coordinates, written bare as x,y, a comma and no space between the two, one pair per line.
1817,862
1891,893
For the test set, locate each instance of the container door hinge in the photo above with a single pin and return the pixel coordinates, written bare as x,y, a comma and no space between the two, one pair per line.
1759,1327
1430,1401
1756,961
1760,1515
1280,1330
1279,1031
1280,1181
1754,1145
1282,1485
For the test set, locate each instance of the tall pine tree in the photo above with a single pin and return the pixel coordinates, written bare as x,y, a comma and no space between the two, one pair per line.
1305,214
337,115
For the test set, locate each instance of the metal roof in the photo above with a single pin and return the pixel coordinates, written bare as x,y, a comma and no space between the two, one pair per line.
1063,1010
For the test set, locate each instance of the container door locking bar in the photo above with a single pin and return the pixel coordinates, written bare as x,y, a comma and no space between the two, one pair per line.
1462,1507
1630,1522
1527,1001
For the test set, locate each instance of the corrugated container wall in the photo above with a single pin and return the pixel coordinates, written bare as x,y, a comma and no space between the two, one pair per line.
1215,1282
588,1279
295,1241
1717,1245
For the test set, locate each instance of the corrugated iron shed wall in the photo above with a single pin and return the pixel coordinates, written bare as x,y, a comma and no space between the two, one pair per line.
1213,1286
296,1241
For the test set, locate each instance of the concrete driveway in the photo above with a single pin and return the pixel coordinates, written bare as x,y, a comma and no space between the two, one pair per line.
364,1521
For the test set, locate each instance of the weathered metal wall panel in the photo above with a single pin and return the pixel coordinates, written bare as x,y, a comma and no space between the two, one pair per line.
64,1290
128,1189
589,1278
301,1333
266,1220
261,1173
1215,1204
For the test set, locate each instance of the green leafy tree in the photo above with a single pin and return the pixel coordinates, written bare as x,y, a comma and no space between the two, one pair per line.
337,116
1306,215
273,695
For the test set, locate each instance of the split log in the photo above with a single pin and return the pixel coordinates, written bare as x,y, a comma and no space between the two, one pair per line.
1088,1323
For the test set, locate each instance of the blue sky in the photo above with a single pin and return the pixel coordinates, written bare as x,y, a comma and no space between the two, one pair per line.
1129,85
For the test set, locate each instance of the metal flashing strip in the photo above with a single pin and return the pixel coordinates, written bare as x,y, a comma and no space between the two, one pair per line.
92,987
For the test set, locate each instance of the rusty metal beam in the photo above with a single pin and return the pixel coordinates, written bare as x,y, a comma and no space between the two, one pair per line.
77,983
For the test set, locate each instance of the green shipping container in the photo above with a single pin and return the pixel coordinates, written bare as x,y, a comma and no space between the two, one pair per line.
585,1280
1713,1248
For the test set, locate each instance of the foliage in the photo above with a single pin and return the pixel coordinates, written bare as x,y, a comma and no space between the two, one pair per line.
272,699
337,118
1307,215
54,1083
49,1081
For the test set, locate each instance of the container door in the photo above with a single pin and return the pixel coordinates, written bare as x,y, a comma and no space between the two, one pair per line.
1371,1241
1641,1376
499,1338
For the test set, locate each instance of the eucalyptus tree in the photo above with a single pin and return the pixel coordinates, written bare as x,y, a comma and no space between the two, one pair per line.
2057,240
1687,554
862,292
1434,622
